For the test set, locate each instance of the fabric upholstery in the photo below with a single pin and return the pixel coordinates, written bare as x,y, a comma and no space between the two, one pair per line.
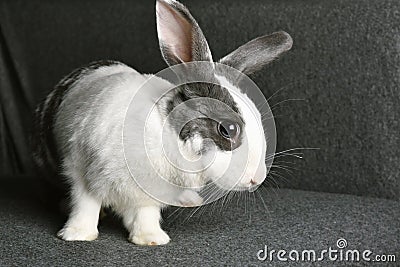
215,235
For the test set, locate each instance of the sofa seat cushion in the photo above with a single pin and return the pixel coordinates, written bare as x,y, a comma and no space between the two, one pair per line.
222,233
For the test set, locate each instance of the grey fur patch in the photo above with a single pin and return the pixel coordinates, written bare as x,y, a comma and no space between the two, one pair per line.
44,148
255,54
199,114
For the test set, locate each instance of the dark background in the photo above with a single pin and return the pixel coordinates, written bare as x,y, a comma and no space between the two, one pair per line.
345,64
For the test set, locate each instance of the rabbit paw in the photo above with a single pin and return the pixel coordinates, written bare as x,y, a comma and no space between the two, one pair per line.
190,198
70,233
155,238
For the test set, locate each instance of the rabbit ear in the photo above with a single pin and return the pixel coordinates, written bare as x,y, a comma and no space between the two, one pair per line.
255,54
180,37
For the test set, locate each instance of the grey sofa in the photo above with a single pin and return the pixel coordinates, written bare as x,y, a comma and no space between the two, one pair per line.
337,92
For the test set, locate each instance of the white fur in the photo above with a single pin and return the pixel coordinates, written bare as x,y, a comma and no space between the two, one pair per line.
88,130
255,146
91,128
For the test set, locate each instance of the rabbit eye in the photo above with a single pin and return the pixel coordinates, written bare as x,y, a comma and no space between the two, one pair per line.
229,130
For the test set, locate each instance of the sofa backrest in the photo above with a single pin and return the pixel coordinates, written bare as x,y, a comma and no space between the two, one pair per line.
337,90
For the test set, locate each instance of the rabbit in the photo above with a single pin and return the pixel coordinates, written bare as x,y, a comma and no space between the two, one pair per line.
81,123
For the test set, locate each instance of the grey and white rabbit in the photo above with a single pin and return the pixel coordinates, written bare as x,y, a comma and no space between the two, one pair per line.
83,119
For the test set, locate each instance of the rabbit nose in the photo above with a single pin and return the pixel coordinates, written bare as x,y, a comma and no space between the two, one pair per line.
252,182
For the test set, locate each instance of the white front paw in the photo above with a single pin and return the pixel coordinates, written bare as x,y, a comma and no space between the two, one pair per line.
158,237
70,233
190,198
